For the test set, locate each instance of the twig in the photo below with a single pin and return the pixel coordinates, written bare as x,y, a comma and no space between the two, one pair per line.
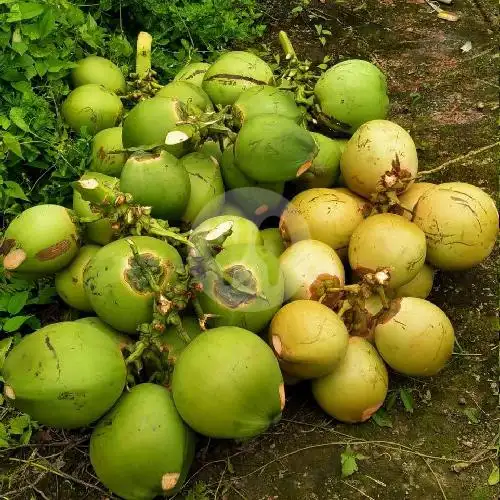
358,490
460,158
436,478
220,482
376,480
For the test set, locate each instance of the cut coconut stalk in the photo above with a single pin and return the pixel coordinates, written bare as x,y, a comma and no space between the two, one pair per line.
14,259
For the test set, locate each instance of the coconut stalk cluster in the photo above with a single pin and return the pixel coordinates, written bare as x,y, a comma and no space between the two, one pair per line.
237,230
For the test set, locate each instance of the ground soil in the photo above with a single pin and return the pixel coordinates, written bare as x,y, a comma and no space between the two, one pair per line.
448,99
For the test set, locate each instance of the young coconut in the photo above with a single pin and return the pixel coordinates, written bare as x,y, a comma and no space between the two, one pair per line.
264,99
173,344
192,96
193,73
234,72
380,156
159,181
244,231
356,389
228,384
142,449
271,239
389,244
211,148
254,197
350,94
104,157
207,188
41,240
415,337
420,286
231,209
308,338
99,231
410,197
324,214
69,281
309,268
100,71
120,339
91,107
460,222
272,148
251,292
115,283
325,168
149,122
65,375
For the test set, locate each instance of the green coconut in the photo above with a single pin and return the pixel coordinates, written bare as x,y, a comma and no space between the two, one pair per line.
92,108
460,222
415,337
234,72
356,389
115,284
65,375
104,159
211,148
271,239
254,293
263,196
228,384
159,181
420,286
244,231
410,197
193,73
264,99
350,94
120,339
272,148
325,168
148,123
230,209
100,71
69,281
142,449
329,215
310,267
188,93
99,231
207,188
41,240
380,155
173,344
390,244
308,338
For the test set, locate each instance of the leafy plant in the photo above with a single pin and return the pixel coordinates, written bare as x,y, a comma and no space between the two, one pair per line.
348,461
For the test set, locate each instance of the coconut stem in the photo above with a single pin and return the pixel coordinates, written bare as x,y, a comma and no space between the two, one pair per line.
98,194
143,57
287,46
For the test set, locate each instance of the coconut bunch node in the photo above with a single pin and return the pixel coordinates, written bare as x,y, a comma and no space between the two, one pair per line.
237,230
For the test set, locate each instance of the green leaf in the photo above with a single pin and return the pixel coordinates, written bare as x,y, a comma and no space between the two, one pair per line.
4,349
14,190
29,10
3,431
407,399
18,425
17,302
382,418
46,23
472,414
494,477
348,461
12,144
13,324
26,436
4,122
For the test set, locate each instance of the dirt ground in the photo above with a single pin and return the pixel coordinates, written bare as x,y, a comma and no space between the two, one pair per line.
448,99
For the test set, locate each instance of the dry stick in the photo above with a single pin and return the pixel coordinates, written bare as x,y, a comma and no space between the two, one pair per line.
357,489
60,473
436,478
220,482
466,156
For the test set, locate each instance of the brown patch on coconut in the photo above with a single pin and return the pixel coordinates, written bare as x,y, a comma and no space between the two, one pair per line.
14,259
394,308
319,289
370,411
169,481
277,345
282,396
135,276
54,251
304,168
285,236
6,246
9,392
